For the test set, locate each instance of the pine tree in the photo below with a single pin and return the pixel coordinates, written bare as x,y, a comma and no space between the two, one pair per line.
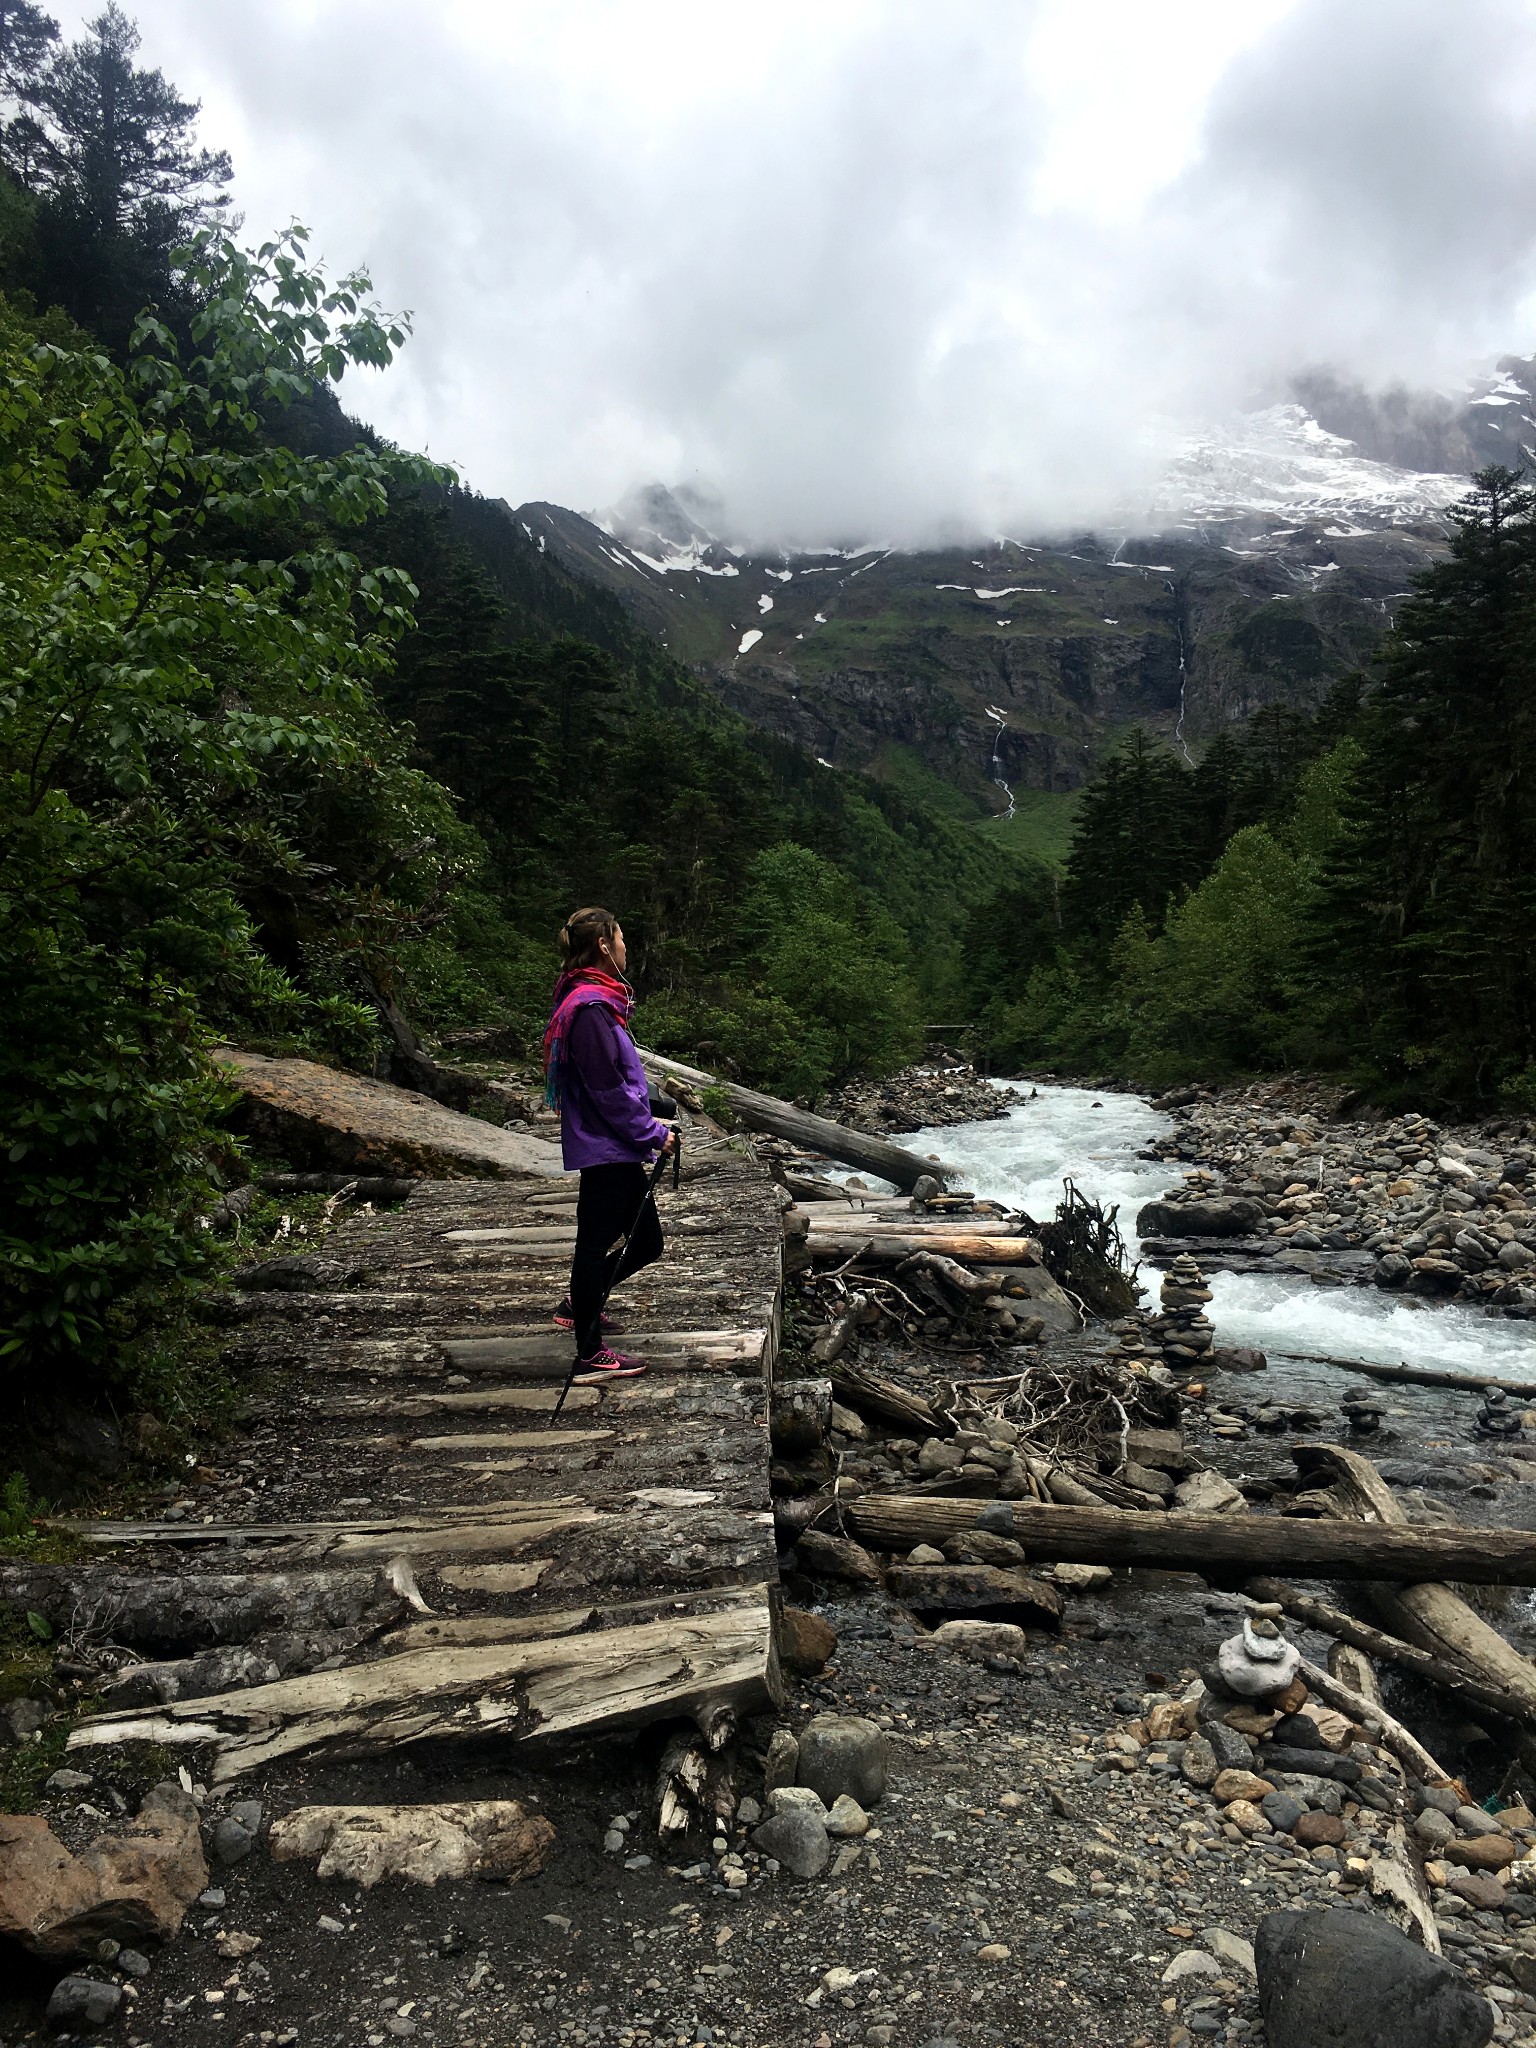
1425,929
1137,841
108,150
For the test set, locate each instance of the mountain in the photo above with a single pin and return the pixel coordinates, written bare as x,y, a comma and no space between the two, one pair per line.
1265,566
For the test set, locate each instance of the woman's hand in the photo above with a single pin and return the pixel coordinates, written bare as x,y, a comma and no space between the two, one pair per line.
668,1145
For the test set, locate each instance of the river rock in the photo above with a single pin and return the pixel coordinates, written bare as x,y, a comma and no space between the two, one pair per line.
1434,1829
130,1887
806,1642
797,1840
486,1838
847,1820
982,1590
1208,1216
1082,1578
1283,1810
1319,1830
1198,1762
78,2002
782,1761
1344,1977
1234,1752
1481,1852
1207,1493
843,1753
982,1638
836,1557
1247,1785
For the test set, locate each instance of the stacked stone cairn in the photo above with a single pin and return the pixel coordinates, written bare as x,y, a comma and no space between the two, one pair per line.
1131,1348
1183,1330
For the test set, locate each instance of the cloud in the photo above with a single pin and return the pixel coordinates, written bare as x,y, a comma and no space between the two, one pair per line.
881,270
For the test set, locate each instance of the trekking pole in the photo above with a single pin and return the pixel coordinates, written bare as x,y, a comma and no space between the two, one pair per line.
650,1193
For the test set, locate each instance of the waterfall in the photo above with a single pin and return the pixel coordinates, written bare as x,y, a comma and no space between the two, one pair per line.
1000,726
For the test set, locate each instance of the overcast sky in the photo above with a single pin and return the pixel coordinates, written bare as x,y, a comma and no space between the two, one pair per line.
867,268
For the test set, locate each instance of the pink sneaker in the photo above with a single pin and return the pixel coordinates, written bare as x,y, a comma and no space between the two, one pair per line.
564,1320
607,1365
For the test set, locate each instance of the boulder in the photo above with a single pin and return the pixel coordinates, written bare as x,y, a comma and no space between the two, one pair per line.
1346,1977
134,1886
843,1753
982,1638
983,1590
1082,1578
806,1643
80,2002
319,1115
1482,1852
782,1760
1207,1216
485,1838
1207,1493
797,1840
836,1557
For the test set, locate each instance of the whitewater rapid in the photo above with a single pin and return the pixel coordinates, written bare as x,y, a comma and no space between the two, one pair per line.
1023,1159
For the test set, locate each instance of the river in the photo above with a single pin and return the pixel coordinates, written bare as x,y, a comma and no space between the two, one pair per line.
1022,1160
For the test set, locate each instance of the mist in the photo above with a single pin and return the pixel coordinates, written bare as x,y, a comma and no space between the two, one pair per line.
882,271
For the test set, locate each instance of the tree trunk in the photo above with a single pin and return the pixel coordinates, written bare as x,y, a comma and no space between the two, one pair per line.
868,1394
813,1133
1226,1544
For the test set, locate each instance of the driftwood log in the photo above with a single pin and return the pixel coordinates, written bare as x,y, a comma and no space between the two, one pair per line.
1417,1375
173,1611
708,1667
938,1267
1225,1544
886,1401
1423,1610
893,1247
814,1133
1402,1742
1375,1642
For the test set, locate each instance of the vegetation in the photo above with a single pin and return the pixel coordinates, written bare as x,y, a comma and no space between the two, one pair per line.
1353,891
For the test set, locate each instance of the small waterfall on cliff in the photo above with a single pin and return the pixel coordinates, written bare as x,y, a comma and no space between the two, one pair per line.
1000,726
1178,730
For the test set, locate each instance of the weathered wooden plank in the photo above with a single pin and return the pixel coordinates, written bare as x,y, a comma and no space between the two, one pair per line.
688,1666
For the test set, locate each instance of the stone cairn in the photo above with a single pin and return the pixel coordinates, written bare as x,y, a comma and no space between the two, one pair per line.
1183,1330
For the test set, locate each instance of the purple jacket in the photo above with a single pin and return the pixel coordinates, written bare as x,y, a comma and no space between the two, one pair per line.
605,1113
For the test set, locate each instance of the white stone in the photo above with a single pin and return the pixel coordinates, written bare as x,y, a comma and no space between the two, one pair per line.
1191,1962
1252,1677
458,1839
847,1820
1207,1493
784,1797
1082,1578
1228,1947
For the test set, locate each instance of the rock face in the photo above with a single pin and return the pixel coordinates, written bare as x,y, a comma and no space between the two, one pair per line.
486,1838
1349,1977
131,1887
335,1119
843,1753
1213,1216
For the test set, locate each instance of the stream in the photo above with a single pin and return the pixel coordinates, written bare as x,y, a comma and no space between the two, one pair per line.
1022,1160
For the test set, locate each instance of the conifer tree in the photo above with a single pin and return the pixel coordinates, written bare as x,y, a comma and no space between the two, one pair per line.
1425,930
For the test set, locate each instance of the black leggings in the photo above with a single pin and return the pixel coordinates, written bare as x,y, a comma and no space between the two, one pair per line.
607,1203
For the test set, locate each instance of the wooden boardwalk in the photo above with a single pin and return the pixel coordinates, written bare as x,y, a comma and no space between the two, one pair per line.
535,1578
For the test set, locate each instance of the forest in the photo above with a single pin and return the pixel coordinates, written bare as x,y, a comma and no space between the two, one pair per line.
297,730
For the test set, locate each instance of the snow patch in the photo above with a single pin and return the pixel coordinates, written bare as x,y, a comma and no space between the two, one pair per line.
765,604
749,639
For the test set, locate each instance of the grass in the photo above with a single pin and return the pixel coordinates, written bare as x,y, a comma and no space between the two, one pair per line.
1041,825
903,768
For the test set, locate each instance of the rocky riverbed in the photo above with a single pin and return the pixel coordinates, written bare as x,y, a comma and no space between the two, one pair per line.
1403,1204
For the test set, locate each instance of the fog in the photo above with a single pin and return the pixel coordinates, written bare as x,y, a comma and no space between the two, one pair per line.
881,270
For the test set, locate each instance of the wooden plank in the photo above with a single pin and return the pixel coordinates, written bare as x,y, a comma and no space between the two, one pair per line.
1251,1544
696,1666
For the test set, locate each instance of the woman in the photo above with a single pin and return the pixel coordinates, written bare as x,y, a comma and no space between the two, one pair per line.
607,1133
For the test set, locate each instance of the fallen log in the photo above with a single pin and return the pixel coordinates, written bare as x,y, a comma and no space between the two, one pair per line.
693,1666
1227,1544
1402,1742
949,1271
169,1611
814,1133
1417,1375
1423,1610
886,1401
367,1188
1360,1635
892,1247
